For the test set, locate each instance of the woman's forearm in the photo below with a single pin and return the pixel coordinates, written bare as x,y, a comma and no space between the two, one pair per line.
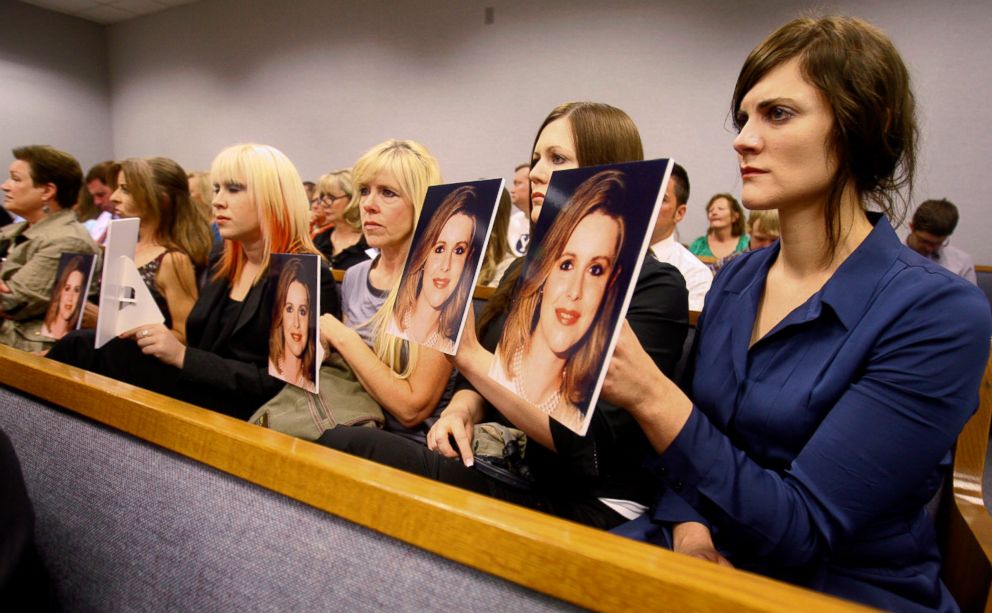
409,400
475,363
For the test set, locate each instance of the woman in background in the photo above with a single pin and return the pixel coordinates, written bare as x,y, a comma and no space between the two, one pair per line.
42,187
173,235
343,243
725,235
405,379
261,209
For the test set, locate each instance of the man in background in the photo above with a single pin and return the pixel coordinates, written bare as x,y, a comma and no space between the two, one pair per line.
518,232
929,232
698,277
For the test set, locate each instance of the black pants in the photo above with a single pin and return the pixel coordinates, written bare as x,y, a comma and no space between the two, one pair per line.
402,453
119,359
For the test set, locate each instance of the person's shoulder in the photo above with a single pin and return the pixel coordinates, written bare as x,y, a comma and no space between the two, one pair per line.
688,260
653,268
356,272
959,255
70,235
931,291
910,265
12,229
699,246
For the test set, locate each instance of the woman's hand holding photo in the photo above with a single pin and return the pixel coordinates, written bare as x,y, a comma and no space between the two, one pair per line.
635,383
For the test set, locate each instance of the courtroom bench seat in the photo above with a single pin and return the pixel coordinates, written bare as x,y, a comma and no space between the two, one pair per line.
147,502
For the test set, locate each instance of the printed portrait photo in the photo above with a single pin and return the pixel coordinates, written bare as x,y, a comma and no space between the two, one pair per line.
72,283
294,280
586,251
444,262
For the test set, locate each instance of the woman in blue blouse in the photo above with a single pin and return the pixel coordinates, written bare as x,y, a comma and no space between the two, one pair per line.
831,372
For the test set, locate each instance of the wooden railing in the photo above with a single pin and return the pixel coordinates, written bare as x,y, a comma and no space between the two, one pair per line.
587,567
965,523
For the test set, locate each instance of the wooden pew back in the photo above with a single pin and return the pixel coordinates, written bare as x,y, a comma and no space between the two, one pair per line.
577,564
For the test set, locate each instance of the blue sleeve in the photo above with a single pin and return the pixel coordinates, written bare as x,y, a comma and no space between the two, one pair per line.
885,434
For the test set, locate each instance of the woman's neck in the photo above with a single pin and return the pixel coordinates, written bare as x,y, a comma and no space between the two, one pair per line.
805,250
33,217
292,367
254,254
391,260
60,327
722,234
147,233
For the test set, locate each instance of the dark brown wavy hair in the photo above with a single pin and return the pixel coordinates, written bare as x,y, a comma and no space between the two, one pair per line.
859,72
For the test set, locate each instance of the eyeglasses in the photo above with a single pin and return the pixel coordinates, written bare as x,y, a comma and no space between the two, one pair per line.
328,199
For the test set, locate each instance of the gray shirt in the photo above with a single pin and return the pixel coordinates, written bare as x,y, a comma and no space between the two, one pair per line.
359,300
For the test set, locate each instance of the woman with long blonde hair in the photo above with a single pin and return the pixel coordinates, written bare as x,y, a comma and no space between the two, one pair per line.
391,180
260,208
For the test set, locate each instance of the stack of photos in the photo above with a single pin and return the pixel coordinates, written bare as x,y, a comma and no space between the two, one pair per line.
569,304
444,263
294,350
72,285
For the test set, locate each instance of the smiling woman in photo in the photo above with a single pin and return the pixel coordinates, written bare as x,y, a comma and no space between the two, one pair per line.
67,300
431,301
291,352
561,322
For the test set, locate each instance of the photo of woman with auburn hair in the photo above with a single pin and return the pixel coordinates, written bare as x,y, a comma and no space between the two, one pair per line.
292,342
68,297
431,301
559,327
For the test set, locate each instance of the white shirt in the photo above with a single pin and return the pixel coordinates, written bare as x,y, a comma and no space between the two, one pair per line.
698,276
956,261
518,232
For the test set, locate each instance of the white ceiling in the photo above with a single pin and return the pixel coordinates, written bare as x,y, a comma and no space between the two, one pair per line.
107,11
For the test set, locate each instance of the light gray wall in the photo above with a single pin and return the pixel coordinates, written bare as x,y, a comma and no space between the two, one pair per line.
326,79
54,84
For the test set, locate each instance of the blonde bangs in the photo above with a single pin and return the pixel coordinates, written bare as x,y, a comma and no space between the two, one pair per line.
281,202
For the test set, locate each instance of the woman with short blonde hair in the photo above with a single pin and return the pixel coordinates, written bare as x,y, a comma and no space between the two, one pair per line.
342,243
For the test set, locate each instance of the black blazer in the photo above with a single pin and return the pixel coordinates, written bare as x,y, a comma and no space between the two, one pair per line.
226,365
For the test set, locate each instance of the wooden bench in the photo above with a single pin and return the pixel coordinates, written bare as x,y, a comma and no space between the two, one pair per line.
566,561
964,522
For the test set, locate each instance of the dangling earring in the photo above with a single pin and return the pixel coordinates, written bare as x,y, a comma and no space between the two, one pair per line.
45,209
